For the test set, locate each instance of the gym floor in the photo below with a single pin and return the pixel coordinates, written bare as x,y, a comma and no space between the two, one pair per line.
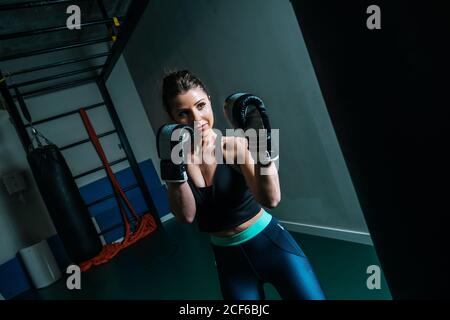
179,265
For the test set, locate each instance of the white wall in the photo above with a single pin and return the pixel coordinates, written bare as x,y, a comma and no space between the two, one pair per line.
132,114
24,223
20,223
255,46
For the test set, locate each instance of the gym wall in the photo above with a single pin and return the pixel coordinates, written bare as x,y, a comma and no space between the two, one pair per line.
255,46
24,223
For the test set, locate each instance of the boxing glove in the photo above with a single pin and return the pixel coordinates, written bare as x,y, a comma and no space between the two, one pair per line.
247,111
173,141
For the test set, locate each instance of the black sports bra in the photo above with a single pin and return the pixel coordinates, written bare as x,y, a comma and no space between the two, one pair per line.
225,204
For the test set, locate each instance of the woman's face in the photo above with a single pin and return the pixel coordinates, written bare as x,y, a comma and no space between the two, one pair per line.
193,108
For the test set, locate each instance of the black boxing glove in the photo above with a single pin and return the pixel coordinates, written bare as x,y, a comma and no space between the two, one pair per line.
247,111
170,141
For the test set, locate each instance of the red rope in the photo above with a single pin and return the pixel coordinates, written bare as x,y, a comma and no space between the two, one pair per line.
144,224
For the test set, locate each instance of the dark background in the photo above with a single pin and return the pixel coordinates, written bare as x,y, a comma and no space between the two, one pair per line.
387,95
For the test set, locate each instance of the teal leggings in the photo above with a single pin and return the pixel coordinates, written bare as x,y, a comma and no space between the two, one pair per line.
271,256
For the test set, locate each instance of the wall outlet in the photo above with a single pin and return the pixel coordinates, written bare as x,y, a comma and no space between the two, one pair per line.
14,182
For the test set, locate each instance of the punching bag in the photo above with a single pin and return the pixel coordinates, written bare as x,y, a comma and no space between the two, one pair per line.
64,203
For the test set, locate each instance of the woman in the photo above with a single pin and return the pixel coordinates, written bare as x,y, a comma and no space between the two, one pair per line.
227,200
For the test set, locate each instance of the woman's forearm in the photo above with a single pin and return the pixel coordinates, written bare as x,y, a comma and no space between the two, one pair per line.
181,201
268,185
263,183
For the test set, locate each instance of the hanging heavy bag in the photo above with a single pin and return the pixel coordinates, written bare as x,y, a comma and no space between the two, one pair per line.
63,200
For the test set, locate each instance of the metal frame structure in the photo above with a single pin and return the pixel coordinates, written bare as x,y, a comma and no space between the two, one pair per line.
119,38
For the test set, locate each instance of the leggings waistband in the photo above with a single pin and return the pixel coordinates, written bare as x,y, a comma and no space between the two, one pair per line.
245,235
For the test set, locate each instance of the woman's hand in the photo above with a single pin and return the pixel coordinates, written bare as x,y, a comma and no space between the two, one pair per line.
204,148
235,150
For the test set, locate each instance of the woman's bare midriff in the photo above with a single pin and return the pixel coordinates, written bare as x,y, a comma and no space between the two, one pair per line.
239,228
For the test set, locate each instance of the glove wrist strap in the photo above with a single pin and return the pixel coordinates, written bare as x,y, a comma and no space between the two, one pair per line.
171,172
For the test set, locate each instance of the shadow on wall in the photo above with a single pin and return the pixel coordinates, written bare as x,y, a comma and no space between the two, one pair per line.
23,217
27,222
